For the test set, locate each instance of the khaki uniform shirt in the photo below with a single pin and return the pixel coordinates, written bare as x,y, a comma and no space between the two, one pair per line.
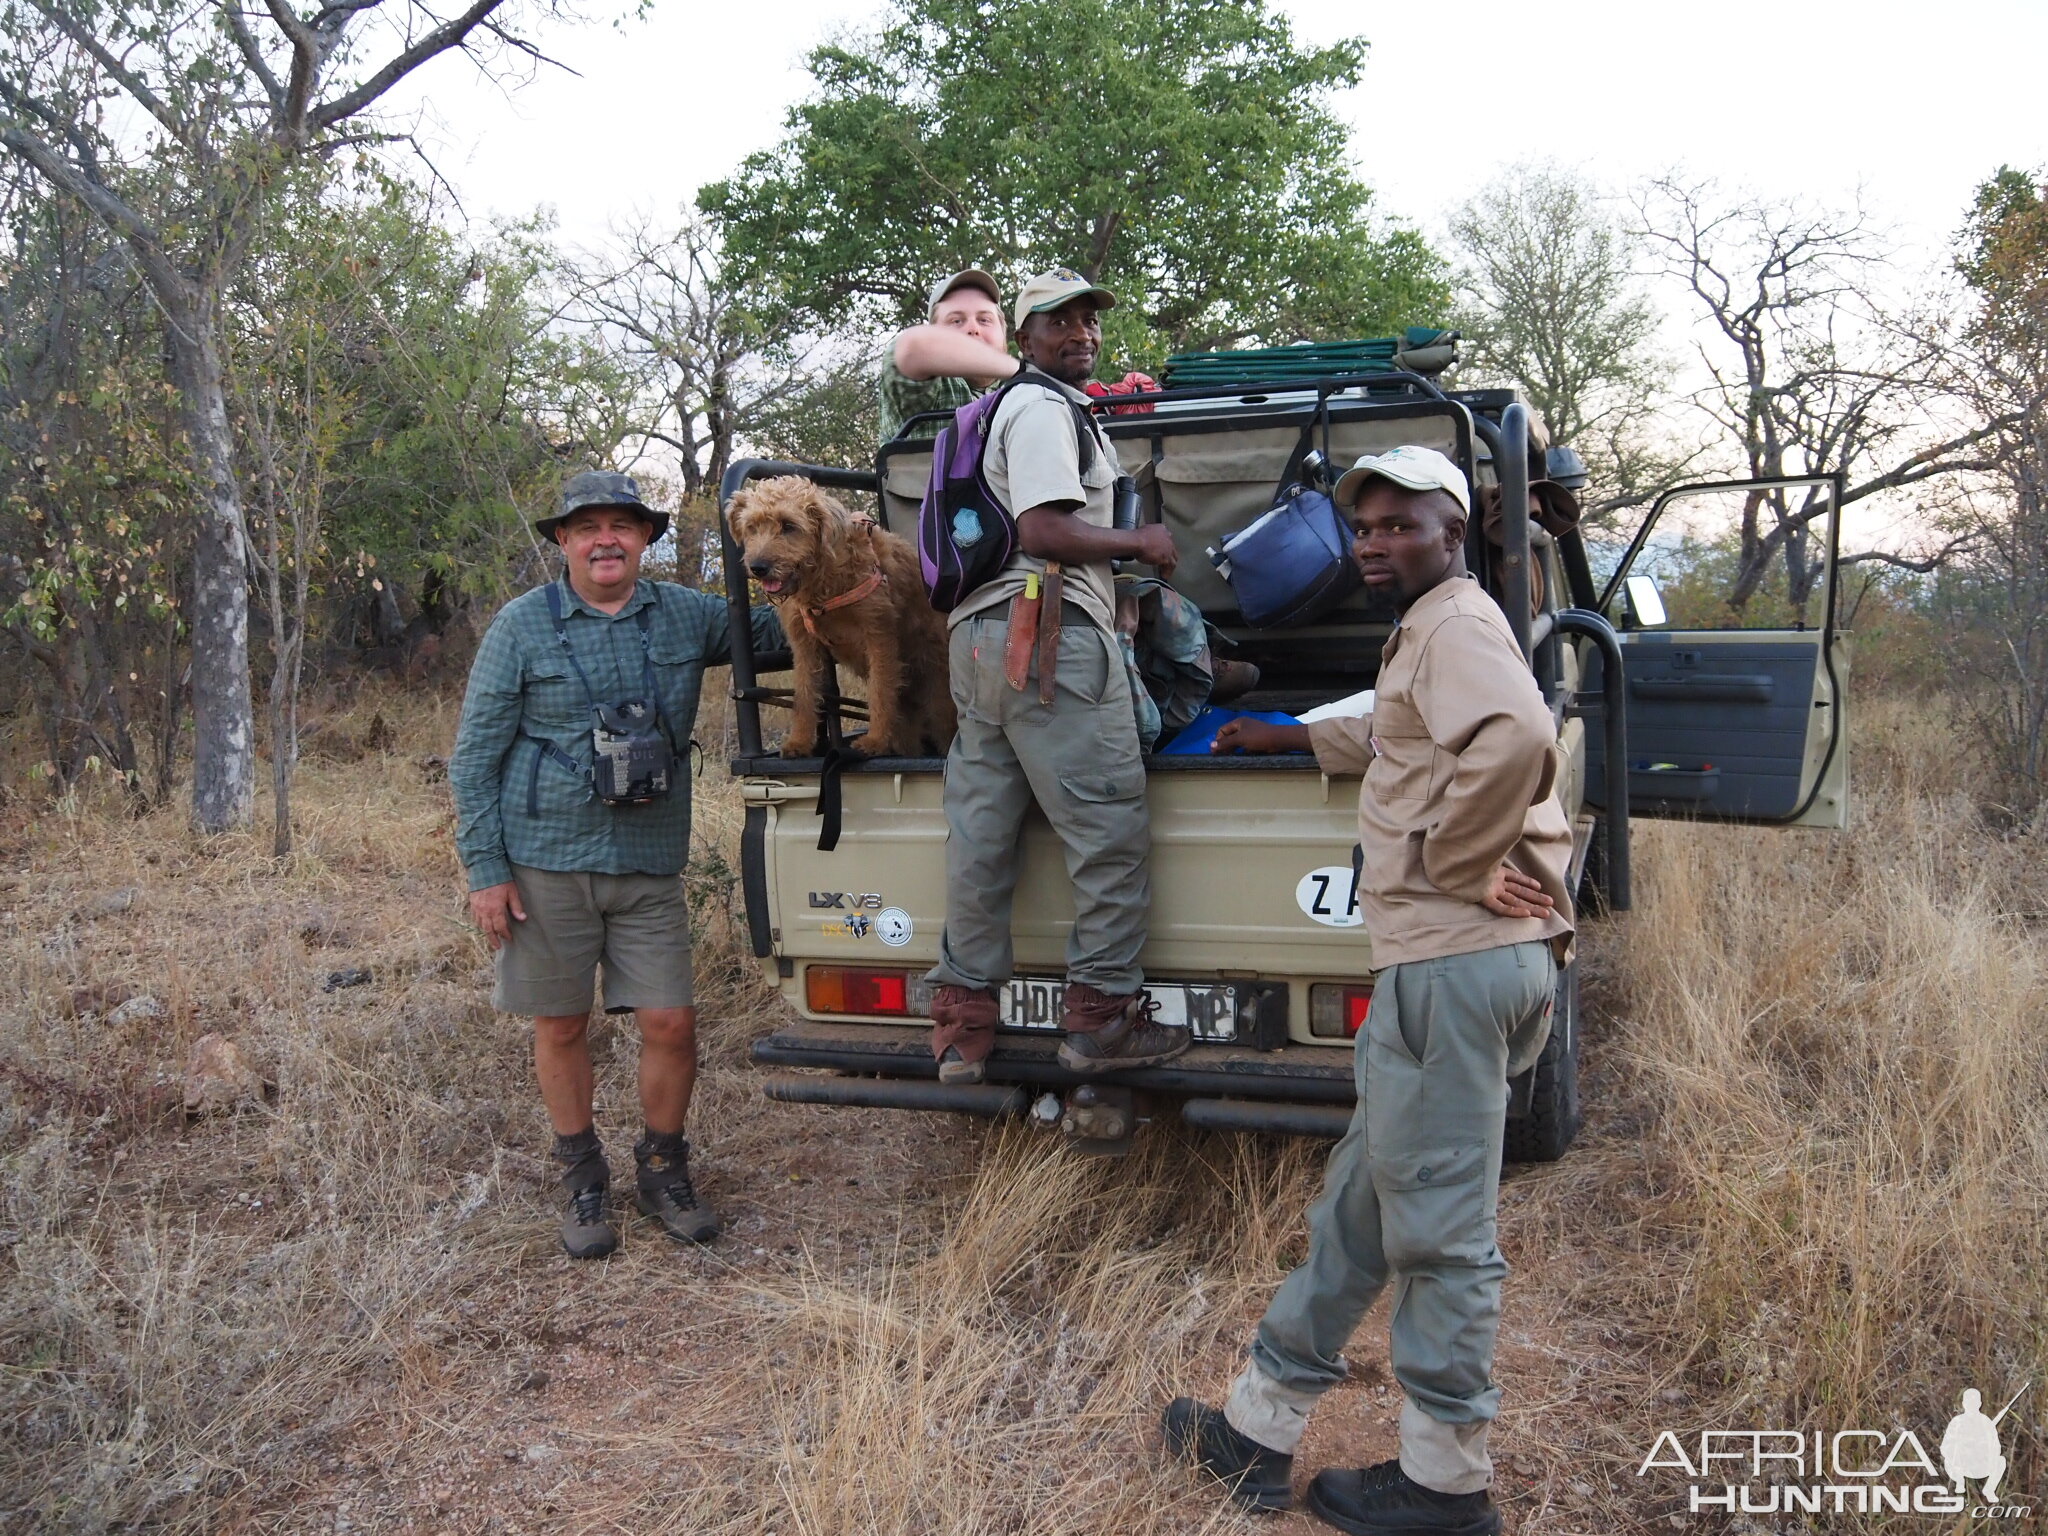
1461,774
1034,459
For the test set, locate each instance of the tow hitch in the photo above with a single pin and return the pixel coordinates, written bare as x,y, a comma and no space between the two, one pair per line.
1098,1118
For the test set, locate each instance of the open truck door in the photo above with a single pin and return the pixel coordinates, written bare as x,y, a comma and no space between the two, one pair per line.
1724,605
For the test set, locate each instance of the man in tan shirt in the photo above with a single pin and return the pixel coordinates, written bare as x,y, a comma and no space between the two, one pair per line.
1466,851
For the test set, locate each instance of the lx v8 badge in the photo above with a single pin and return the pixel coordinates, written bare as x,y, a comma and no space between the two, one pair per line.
868,900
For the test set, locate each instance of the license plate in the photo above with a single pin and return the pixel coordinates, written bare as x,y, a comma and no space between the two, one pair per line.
1210,1011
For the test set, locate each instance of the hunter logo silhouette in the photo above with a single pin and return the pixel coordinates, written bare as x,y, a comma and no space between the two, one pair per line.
1969,1446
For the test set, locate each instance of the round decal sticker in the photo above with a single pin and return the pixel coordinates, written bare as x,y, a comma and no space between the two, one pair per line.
1329,896
892,927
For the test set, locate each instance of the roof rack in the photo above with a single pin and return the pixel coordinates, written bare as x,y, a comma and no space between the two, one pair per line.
1420,349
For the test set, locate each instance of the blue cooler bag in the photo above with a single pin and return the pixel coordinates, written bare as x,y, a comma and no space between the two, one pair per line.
1293,565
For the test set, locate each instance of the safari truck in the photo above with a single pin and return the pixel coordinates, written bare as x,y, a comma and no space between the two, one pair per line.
1255,940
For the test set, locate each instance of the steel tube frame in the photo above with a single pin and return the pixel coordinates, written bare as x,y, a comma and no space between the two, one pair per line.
986,1099
1328,1121
739,612
1614,708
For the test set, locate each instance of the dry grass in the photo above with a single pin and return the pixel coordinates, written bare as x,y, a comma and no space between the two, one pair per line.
1811,1193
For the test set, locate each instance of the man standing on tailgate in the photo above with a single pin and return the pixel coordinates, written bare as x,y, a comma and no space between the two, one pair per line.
1463,891
1046,716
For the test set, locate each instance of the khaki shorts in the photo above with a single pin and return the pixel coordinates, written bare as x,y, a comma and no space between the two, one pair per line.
636,926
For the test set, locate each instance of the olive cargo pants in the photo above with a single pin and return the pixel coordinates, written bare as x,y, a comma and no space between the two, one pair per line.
1077,757
1411,1195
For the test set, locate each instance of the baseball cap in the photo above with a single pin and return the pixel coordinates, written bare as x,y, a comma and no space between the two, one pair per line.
601,488
1049,290
966,277
1416,469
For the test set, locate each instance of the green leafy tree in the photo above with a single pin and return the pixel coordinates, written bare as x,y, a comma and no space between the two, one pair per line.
175,125
1182,152
402,405
93,486
1997,599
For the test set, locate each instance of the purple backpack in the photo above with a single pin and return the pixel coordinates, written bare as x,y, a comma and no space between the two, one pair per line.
965,535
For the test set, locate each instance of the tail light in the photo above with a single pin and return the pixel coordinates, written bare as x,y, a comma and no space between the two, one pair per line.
847,989
1337,1011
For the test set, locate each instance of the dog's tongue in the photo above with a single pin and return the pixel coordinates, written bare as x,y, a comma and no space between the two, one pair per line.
771,584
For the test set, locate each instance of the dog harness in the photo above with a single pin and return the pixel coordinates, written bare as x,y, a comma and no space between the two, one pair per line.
810,612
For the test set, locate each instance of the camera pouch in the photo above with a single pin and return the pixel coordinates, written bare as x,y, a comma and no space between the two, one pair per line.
631,760
632,756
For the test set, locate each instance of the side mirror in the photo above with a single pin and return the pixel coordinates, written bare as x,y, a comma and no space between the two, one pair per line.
1645,602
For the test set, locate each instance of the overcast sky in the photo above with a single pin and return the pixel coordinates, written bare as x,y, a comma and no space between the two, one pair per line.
1911,103
1908,106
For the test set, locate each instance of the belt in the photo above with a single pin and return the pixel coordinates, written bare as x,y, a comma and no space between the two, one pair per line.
1070,612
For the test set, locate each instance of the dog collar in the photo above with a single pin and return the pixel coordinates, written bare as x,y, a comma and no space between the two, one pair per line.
810,611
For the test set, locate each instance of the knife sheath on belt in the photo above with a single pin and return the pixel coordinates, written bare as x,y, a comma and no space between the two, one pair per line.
1049,631
1023,635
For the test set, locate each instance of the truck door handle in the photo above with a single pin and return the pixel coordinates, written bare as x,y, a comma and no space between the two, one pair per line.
1706,688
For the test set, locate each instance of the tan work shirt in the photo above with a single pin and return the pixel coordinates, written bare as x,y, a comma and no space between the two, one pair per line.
1034,460
1461,771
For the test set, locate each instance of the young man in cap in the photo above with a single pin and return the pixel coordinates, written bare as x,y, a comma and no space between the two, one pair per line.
957,355
562,879
1046,715
1466,848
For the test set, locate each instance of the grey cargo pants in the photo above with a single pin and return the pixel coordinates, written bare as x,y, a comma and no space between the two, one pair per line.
1411,1194
1077,757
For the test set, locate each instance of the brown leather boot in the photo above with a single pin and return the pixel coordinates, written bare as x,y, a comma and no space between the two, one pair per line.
1108,1034
1234,679
963,1031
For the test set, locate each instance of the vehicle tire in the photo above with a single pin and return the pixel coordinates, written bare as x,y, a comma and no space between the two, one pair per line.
1543,1135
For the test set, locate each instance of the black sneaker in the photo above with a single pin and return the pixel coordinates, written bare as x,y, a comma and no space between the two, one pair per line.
1258,1478
1385,1501
585,1232
663,1190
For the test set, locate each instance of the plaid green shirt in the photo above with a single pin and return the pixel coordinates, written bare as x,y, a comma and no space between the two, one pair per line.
902,398
516,805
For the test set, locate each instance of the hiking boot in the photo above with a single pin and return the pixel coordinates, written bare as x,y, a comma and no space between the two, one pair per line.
586,1234
1234,679
1258,1478
963,1031
1110,1034
663,1189
1385,1501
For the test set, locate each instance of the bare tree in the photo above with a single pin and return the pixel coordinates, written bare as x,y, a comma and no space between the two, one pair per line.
1551,302
175,125
1807,375
717,364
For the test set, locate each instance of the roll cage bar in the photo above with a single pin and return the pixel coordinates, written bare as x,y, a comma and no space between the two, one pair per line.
1388,394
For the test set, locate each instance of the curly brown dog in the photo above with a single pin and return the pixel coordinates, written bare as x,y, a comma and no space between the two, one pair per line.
848,591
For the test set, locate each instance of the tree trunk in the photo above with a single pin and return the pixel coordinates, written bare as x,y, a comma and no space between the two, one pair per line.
223,716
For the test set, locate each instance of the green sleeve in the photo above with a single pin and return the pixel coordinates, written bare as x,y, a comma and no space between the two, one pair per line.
476,769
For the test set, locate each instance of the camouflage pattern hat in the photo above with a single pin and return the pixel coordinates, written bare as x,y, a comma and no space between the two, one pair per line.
601,488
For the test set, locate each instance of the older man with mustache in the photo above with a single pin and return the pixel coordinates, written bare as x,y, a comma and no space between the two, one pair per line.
573,802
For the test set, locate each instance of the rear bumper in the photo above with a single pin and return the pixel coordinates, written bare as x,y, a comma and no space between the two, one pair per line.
1205,1071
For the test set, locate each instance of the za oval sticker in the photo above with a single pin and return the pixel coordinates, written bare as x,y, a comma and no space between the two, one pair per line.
1330,896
